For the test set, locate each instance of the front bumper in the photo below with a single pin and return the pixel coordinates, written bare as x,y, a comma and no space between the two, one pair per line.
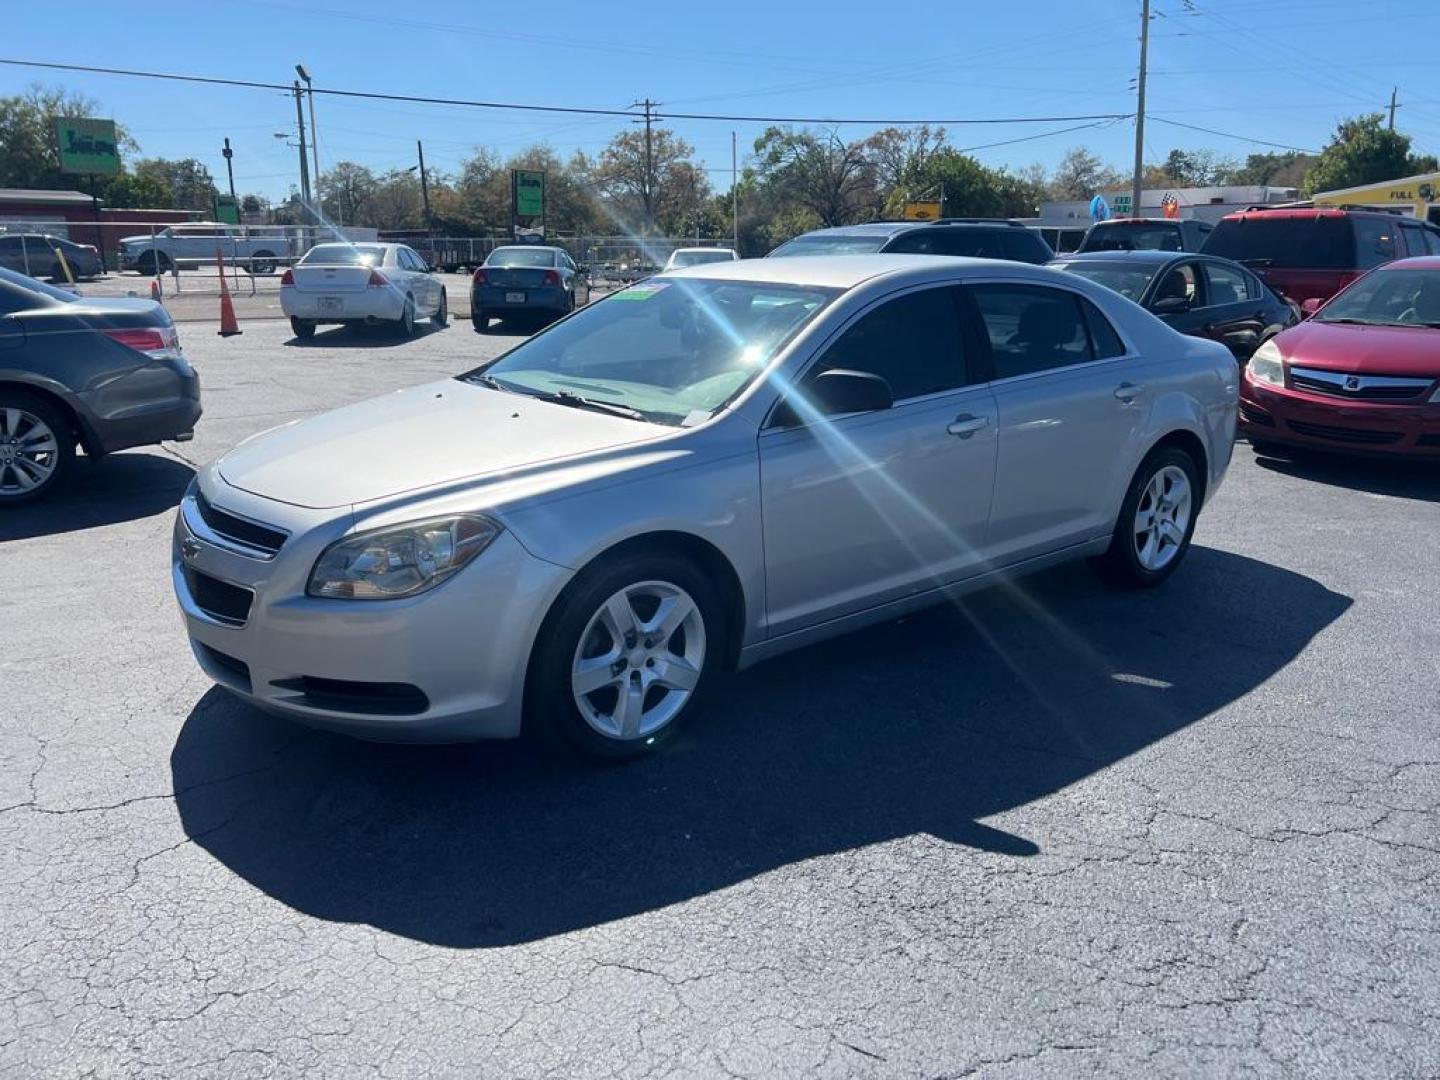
1322,422
445,666
495,299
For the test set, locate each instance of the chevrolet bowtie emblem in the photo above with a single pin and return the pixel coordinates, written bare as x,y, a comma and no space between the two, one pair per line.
189,547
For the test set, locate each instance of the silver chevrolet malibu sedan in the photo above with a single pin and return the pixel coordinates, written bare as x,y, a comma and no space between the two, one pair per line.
700,471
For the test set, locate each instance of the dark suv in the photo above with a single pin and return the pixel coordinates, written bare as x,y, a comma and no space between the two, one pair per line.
984,238
1313,253
1146,234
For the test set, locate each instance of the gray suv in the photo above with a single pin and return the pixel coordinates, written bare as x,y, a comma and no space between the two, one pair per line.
106,374
982,238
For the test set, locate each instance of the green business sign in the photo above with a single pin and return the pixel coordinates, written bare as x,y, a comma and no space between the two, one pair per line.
529,193
87,147
227,209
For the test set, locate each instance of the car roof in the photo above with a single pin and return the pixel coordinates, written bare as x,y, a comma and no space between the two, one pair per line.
1304,212
1140,221
892,228
835,271
1417,262
525,247
678,251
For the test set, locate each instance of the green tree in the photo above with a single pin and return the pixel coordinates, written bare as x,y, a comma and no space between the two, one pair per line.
1081,174
1364,151
971,189
1284,169
130,191
189,183
817,172
29,156
345,189
640,190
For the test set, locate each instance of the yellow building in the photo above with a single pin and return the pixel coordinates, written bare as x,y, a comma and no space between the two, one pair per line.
1420,194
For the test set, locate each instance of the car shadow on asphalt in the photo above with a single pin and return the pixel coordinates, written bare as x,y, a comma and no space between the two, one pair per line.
1401,478
927,725
121,487
363,337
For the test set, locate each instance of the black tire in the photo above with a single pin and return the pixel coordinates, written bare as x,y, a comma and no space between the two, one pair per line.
551,710
1122,564
59,462
303,329
480,320
261,264
441,318
406,325
149,264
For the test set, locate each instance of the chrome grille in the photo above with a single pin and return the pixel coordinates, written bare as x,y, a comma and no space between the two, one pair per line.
1359,387
234,532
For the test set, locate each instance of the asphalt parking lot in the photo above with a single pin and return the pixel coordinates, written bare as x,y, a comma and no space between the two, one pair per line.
1055,831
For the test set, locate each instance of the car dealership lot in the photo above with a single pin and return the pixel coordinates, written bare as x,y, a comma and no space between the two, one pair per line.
1056,830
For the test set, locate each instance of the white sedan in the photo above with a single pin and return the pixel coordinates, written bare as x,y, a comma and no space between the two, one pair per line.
361,283
699,256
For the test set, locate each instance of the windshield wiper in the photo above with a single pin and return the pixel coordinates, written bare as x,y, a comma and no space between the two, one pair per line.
574,400
1352,321
491,382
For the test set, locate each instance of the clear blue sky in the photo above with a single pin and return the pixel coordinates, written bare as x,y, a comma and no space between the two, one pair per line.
1276,70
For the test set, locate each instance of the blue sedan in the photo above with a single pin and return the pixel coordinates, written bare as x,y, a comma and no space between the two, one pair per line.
529,280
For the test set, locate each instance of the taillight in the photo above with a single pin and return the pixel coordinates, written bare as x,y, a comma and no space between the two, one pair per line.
378,280
479,278
287,278
552,277
154,341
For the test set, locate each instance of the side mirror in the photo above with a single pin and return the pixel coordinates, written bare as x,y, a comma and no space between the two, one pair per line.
1310,306
842,391
1171,305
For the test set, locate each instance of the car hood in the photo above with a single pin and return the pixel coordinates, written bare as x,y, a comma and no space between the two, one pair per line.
426,436
1363,350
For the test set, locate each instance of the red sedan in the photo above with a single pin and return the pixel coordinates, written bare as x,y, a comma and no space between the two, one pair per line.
1363,374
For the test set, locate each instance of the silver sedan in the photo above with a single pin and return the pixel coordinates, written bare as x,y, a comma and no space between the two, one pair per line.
703,470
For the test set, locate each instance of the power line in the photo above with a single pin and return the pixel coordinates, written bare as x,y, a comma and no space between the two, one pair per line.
1232,135
569,109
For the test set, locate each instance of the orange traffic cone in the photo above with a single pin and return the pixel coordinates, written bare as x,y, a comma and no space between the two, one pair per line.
155,293
229,327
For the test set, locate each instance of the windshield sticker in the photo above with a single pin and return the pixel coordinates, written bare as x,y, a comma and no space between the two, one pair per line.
695,416
640,292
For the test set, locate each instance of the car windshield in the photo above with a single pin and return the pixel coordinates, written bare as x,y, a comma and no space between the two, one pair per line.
31,285
344,255
832,244
1388,298
1308,243
514,256
697,258
673,352
1134,236
1128,281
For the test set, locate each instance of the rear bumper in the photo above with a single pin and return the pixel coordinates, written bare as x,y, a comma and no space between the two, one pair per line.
354,305
1297,419
118,421
496,300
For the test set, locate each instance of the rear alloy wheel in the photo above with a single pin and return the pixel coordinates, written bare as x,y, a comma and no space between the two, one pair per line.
406,325
626,654
36,450
441,318
1157,520
303,329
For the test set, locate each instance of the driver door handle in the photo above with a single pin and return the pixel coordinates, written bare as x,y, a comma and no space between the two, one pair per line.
966,425
1128,392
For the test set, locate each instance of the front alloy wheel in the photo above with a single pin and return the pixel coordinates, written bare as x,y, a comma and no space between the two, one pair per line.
1157,520
639,660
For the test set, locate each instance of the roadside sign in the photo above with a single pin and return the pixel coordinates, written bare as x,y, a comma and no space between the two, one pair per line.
227,209
1121,205
87,147
529,193
926,210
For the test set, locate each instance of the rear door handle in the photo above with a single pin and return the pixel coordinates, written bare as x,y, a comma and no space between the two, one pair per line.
1128,392
966,425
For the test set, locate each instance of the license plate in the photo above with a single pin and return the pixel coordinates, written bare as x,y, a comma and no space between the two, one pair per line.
514,297
330,303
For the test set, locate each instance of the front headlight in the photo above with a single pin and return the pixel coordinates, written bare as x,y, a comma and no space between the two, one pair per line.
1267,365
400,561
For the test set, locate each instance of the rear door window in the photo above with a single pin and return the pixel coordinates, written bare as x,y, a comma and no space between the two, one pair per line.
979,243
1374,241
1031,328
1024,246
916,242
1225,284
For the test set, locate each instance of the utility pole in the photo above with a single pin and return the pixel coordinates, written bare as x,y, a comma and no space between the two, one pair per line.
1140,109
304,160
1393,105
647,189
229,165
424,186
734,198
301,70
